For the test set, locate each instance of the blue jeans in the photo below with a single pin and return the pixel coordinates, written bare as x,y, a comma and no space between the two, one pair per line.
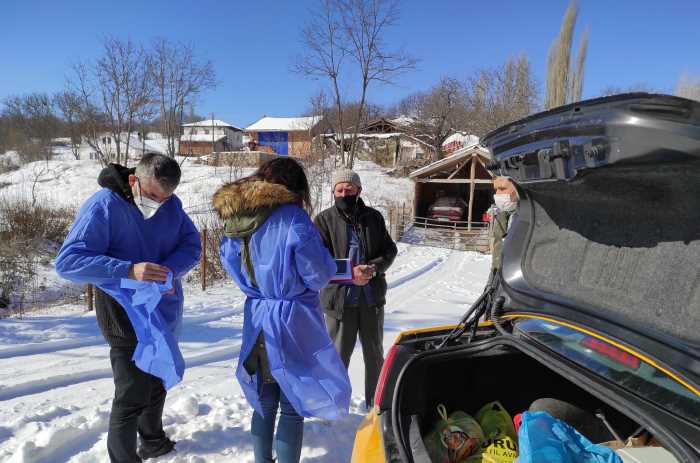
290,429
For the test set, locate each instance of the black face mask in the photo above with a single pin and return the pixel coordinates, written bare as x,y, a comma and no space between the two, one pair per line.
347,204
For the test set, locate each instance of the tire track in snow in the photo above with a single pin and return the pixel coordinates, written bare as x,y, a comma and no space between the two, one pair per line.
65,380
67,344
442,268
416,273
49,346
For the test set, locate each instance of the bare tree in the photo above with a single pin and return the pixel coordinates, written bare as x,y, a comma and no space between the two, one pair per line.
319,165
689,87
124,84
323,41
634,88
128,85
499,96
179,78
69,104
438,112
35,117
365,24
564,83
92,122
576,91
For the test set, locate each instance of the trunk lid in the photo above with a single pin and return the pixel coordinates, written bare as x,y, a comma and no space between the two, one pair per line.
608,228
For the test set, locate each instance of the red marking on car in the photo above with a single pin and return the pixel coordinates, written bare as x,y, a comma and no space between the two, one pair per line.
611,352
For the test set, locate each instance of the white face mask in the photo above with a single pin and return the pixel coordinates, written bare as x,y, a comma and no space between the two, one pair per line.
504,203
147,206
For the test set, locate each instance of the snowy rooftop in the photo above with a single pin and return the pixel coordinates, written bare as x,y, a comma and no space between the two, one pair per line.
403,120
211,123
201,137
348,136
465,139
284,124
461,153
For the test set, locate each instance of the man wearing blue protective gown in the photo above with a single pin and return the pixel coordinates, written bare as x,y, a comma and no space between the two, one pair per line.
134,242
274,253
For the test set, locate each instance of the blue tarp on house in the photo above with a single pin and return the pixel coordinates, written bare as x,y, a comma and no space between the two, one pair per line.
278,141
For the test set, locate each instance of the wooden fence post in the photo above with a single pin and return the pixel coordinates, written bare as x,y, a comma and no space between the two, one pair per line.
90,297
403,220
203,260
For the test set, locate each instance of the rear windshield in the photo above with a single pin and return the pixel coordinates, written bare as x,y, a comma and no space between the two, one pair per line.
621,367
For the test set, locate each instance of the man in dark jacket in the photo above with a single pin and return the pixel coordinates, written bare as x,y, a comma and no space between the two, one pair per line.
352,230
133,228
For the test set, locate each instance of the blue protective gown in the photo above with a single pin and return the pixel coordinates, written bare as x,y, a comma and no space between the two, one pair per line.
291,265
108,236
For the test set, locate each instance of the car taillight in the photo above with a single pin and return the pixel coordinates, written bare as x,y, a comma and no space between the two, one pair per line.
388,361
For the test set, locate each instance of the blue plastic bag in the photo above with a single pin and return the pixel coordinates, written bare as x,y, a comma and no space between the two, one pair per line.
545,439
157,351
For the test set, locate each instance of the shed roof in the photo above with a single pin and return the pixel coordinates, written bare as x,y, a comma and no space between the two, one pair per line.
452,160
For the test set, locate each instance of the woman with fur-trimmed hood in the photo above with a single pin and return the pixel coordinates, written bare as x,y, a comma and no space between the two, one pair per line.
274,253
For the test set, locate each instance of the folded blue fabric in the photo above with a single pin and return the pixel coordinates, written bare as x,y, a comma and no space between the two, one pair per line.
545,439
157,351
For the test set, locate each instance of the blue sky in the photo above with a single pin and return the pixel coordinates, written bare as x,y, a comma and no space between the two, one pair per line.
252,44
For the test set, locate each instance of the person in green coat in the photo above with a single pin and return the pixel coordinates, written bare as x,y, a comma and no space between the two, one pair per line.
506,202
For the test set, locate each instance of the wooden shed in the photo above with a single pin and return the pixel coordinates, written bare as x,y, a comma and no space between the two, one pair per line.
464,175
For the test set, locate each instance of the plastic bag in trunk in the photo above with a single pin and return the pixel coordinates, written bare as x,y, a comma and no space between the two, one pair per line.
544,438
454,438
500,439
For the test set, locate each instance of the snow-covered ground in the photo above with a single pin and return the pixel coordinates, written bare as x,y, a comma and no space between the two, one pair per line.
56,387
55,380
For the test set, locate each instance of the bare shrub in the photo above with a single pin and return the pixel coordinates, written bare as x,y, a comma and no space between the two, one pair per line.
30,234
22,221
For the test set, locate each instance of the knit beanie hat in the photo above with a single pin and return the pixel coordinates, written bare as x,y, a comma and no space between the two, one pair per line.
346,175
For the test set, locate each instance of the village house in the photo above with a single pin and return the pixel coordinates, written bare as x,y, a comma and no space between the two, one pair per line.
390,141
209,136
284,135
106,142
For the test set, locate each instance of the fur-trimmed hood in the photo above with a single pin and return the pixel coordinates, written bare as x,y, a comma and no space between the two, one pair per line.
234,198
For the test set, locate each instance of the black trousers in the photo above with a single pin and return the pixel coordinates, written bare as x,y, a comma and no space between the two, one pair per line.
368,322
137,408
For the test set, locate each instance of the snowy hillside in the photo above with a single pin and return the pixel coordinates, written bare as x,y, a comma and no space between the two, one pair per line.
68,182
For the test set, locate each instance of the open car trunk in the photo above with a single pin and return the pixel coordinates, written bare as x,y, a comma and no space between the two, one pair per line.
466,379
606,237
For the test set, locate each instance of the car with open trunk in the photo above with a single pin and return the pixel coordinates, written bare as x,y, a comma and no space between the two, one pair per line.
598,302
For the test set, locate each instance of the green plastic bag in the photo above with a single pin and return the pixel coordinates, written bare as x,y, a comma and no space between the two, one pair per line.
500,443
453,439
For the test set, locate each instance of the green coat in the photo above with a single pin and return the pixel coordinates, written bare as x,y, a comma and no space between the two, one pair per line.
499,230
